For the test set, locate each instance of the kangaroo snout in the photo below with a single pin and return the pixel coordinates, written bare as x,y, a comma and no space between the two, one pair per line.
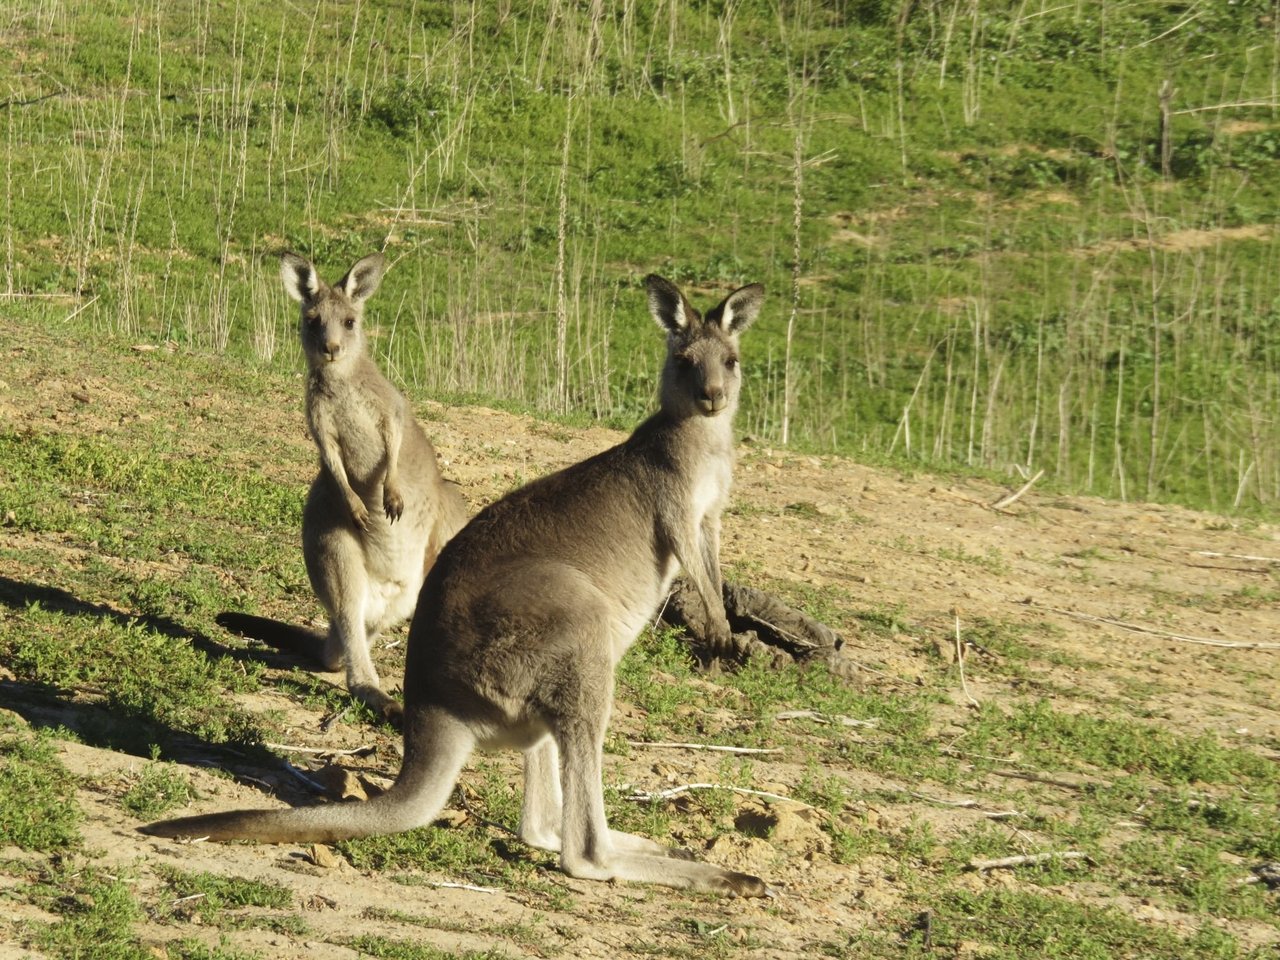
331,350
712,401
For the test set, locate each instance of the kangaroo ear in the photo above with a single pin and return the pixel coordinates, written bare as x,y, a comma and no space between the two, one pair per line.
299,276
667,304
738,310
363,279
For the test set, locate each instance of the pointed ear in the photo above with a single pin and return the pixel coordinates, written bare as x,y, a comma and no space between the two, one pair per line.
299,276
667,304
738,310
363,279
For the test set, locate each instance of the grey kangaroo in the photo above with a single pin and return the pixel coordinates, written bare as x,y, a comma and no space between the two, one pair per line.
529,608
378,512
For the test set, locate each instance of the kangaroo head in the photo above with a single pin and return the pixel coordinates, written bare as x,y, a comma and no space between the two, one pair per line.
701,376
331,326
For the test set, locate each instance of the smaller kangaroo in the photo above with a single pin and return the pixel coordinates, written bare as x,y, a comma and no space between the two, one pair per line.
378,512
529,608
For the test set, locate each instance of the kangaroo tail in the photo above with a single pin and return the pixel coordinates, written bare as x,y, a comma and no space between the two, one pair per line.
431,767
275,633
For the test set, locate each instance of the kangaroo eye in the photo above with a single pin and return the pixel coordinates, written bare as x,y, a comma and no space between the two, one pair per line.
349,323
313,319
731,364
684,363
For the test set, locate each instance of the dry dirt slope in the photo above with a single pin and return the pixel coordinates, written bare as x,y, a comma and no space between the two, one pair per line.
876,547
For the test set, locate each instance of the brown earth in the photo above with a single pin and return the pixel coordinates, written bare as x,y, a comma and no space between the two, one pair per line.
931,548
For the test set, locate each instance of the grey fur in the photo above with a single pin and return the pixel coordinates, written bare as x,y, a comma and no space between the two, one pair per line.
528,610
378,512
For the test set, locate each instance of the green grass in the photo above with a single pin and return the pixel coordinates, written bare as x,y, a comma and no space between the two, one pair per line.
995,272
37,811
980,189
388,948
160,787
1048,739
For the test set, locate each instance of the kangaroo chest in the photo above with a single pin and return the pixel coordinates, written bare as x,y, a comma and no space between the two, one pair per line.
350,416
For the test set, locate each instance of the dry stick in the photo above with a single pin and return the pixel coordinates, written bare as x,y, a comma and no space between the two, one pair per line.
1237,556
966,805
703,746
1030,858
672,792
823,718
322,751
1005,501
1138,628
311,784
1034,777
461,886
960,661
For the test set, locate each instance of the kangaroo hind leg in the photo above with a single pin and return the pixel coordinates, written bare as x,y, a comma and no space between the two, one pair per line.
590,850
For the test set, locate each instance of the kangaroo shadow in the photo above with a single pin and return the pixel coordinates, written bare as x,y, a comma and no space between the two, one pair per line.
115,724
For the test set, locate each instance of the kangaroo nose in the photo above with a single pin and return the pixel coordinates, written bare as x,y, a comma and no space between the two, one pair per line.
332,348
713,398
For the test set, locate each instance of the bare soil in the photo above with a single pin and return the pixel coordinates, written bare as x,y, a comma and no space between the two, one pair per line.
931,548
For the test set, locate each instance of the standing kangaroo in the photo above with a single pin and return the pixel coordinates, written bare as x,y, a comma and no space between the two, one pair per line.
528,610
378,512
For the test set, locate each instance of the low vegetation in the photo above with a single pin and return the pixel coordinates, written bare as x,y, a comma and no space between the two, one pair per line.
998,236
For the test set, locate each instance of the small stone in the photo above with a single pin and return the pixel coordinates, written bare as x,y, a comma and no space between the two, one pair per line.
322,856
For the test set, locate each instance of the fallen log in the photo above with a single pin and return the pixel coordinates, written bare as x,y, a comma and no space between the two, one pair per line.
761,624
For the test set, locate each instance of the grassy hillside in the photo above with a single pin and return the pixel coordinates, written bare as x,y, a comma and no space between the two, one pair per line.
997,235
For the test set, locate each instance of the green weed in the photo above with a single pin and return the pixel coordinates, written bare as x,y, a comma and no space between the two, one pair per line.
160,787
37,806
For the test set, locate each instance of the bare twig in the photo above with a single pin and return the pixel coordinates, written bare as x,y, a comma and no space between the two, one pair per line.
816,717
960,661
333,718
322,751
461,886
967,805
703,746
1270,102
1011,498
1237,556
673,792
1138,628
1025,860
310,783
483,821
1035,777
26,103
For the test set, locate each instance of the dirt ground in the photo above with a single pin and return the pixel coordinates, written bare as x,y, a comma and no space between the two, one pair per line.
931,548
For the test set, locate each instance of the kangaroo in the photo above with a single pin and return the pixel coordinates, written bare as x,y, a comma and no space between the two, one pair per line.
378,512
527,611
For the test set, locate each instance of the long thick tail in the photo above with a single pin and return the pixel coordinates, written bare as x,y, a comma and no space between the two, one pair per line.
430,769
276,633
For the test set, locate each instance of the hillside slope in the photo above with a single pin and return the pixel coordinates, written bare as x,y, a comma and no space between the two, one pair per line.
168,489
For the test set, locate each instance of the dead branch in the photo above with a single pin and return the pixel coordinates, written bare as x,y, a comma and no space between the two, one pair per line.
1025,860
645,796
761,624
1138,628
967,805
1034,777
1237,556
822,718
323,751
960,661
1013,497
703,746
444,884
15,102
